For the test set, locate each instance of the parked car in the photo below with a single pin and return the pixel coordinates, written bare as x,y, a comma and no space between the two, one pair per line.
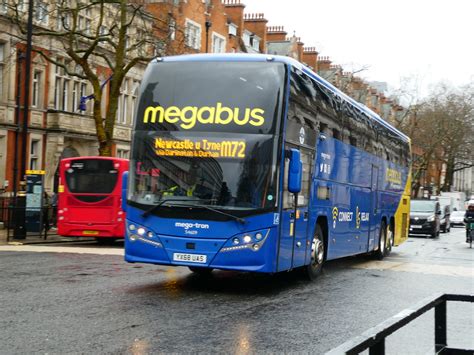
425,217
457,218
444,219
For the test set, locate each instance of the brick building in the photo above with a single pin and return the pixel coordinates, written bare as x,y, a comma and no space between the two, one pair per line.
57,128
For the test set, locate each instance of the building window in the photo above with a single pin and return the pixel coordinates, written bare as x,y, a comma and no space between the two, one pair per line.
84,21
218,43
125,102
246,38
232,29
3,7
123,153
2,65
172,29
41,12
255,42
36,85
193,34
34,154
65,95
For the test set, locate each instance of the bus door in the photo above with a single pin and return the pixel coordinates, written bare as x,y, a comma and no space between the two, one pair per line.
294,221
374,207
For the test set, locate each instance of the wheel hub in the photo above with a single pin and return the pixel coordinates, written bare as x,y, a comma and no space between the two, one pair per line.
317,252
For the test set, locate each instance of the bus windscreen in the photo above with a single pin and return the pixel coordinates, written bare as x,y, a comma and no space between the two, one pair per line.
205,133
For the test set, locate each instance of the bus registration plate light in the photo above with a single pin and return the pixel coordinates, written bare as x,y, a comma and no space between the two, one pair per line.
190,258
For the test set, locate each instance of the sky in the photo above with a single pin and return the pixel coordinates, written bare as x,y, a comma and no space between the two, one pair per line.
428,41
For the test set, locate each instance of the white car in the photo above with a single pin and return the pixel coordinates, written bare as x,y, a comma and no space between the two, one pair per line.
457,218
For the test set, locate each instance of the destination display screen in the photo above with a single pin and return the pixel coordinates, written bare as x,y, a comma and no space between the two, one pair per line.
227,171
211,97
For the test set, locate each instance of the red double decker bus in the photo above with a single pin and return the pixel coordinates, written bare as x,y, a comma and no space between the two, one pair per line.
89,203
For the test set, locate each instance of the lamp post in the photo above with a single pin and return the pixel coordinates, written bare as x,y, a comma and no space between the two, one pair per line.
20,201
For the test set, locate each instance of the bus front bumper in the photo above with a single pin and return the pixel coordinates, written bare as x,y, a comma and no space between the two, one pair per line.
226,254
115,230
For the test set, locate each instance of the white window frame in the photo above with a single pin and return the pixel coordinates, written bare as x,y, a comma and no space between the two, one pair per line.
246,37
193,34
233,29
35,154
255,42
36,89
2,68
41,14
219,47
123,153
172,29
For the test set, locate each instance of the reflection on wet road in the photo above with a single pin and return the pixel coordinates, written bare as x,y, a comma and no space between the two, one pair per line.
60,301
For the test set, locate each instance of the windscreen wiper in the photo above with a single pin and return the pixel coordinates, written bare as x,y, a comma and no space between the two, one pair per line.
151,209
162,202
238,219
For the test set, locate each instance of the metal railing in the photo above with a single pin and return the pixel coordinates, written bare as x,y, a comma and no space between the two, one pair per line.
374,338
37,222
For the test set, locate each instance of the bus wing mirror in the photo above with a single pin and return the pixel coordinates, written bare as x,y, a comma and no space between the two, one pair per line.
295,171
124,190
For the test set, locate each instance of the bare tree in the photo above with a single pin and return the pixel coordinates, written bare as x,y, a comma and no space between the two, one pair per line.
100,37
442,130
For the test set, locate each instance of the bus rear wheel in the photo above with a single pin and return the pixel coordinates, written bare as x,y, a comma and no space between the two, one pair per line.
314,268
380,252
202,271
390,240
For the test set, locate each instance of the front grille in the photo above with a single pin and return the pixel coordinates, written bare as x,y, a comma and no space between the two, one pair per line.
418,221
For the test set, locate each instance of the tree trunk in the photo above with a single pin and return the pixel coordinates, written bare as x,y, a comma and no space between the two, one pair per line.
448,181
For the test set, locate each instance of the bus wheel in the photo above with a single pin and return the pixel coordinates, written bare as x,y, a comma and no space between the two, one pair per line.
313,269
389,244
202,271
380,253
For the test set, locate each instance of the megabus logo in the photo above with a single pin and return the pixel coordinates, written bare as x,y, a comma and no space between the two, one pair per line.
188,116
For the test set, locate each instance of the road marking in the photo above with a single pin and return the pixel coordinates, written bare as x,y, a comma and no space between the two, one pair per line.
58,249
429,269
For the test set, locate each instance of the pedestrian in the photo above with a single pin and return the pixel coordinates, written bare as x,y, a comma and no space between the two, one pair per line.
46,205
54,210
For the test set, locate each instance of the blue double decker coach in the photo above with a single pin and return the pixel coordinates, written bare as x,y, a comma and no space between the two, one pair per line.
255,163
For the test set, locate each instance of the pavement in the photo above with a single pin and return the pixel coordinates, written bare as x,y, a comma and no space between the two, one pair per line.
6,238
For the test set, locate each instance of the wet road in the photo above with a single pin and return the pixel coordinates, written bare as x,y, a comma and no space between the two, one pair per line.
55,300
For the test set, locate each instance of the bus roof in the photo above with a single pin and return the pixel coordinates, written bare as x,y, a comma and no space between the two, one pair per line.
244,57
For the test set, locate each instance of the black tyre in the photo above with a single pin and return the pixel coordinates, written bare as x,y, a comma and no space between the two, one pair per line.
202,271
444,228
380,252
314,268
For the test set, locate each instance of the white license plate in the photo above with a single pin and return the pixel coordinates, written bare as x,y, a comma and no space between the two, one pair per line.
190,258
415,227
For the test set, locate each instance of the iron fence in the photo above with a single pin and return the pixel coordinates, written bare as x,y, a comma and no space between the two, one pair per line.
374,338
22,222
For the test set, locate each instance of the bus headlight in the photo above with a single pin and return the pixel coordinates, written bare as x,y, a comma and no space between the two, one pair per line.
236,241
141,231
133,237
149,234
247,239
259,236
132,227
